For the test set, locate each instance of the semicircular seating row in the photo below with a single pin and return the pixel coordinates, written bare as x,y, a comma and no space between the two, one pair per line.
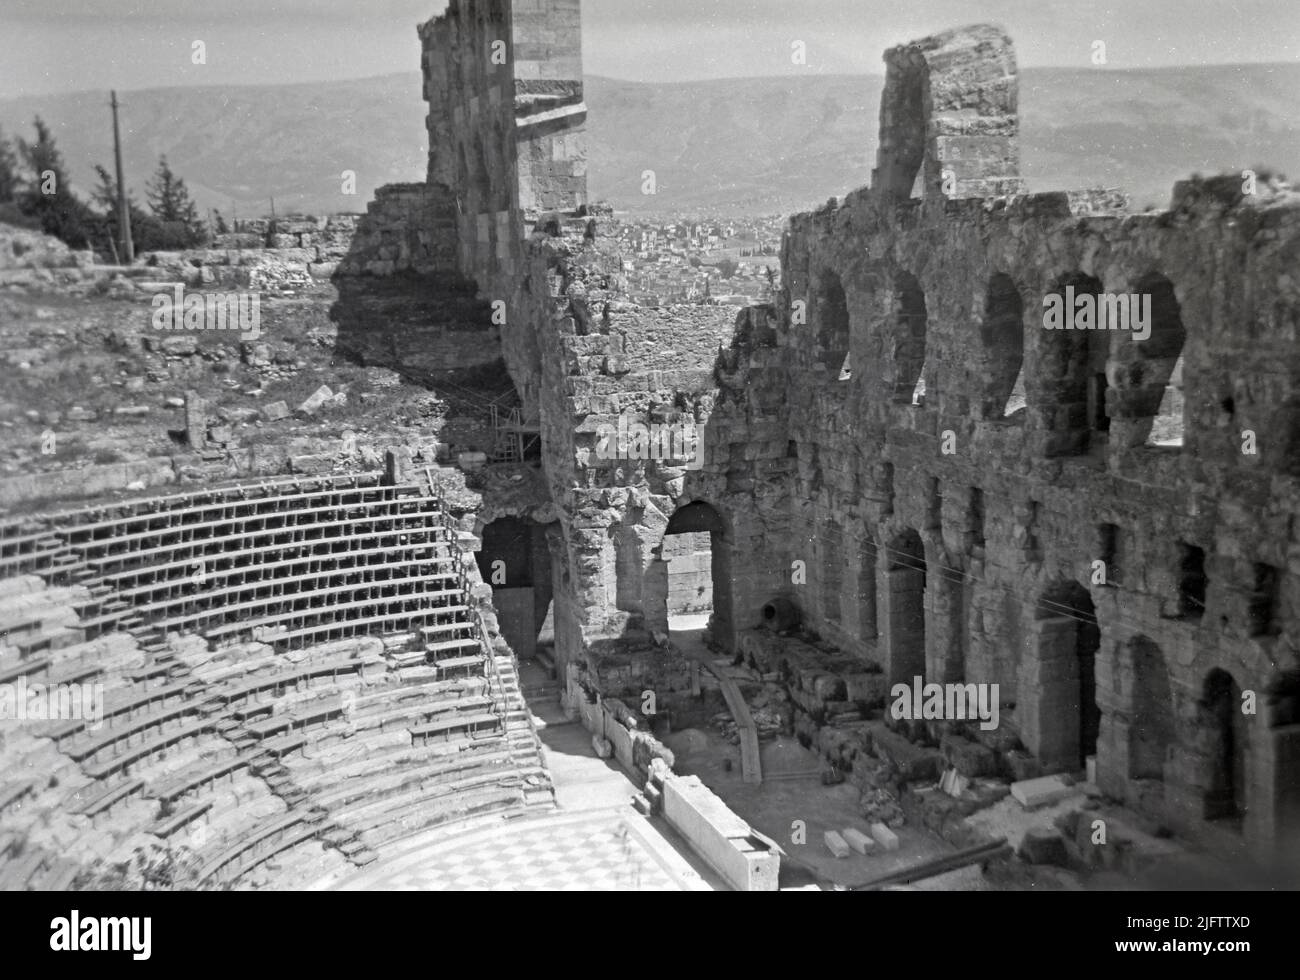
273,680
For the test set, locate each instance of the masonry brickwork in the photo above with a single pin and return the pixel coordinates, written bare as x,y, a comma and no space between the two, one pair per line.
506,121
407,228
941,486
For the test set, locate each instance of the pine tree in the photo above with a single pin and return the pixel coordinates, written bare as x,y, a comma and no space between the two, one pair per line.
105,193
8,172
43,161
48,196
169,200
149,233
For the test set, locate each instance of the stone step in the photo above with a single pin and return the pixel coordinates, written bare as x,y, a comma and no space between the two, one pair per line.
836,844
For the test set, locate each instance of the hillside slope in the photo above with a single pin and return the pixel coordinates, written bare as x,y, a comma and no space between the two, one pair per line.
744,146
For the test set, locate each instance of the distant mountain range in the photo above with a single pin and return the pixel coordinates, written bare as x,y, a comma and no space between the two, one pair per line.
742,146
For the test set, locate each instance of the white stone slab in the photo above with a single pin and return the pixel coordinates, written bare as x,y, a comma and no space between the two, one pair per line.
1043,791
835,844
885,837
857,840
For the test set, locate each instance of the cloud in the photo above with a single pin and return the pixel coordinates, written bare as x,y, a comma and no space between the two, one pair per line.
177,13
67,45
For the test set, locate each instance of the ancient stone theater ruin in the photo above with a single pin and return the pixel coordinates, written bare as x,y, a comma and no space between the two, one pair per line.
904,471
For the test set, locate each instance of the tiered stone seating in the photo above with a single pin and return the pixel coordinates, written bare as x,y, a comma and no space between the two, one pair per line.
28,545
322,689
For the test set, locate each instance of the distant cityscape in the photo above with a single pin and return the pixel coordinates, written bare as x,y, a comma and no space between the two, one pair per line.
722,261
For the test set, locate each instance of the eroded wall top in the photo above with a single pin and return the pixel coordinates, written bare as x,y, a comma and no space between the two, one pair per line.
503,79
949,113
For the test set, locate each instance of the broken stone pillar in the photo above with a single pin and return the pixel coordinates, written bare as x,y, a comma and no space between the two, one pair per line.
654,598
195,420
398,466
572,694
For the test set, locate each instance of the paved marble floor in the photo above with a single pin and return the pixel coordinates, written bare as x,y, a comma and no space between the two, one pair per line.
605,851
595,841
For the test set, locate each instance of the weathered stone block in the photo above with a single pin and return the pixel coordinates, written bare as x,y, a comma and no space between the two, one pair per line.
885,837
275,411
836,844
1042,791
858,841
316,401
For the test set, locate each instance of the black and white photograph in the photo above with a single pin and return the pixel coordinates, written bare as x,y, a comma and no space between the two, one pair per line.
650,446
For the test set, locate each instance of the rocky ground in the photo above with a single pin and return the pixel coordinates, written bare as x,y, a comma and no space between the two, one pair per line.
90,380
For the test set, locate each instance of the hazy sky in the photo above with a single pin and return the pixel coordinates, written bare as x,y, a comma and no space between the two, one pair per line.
67,45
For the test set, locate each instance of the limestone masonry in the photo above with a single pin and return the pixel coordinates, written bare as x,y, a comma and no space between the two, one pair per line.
994,507
938,485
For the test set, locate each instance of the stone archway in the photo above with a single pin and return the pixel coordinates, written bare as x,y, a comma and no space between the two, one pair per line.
902,608
831,314
692,566
515,561
1225,786
908,335
1002,335
1150,397
1061,720
1070,388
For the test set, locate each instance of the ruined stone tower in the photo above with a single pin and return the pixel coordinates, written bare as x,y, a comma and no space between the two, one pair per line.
503,80
948,111
1104,525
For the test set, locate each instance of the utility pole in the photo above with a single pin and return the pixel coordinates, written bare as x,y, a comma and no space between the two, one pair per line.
123,212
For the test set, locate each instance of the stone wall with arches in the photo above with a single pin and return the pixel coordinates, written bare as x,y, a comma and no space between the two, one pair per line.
1096,520
983,436
1107,515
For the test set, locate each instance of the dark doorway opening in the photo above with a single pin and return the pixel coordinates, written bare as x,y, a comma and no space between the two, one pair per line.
515,561
1225,793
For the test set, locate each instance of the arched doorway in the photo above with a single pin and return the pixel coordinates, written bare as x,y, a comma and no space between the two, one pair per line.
1158,372
515,561
909,337
1002,333
1072,375
903,625
1225,791
831,311
1069,638
696,590
1149,372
